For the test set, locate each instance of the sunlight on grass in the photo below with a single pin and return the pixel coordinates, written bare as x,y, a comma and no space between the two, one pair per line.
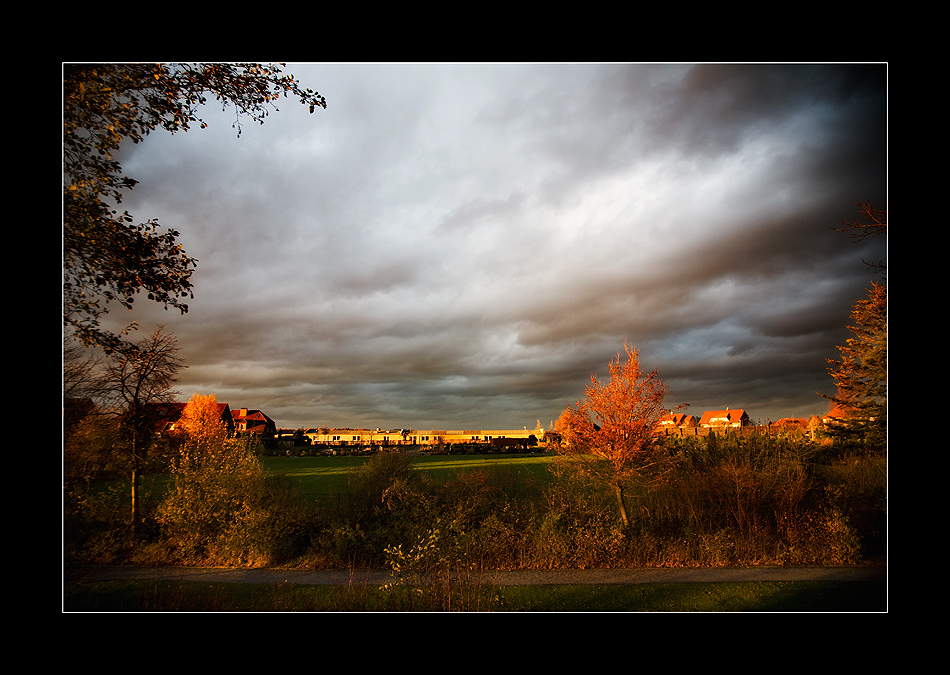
328,475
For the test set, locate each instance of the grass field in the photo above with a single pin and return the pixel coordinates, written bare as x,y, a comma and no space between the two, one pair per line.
322,477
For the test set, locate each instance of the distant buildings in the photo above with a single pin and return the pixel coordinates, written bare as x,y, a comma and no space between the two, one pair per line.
166,416
721,419
366,437
254,422
677,420
239,422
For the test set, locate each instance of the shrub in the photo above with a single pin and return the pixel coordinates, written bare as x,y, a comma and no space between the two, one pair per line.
385,503
753,499
215,503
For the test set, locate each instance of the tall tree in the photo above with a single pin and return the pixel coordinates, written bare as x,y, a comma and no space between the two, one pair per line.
610,435
107,256
861,373
132,383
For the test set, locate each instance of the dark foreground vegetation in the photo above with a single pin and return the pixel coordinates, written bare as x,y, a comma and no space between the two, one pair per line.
727,500
167,596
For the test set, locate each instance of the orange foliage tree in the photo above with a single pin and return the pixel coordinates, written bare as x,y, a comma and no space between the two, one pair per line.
611,435
201,424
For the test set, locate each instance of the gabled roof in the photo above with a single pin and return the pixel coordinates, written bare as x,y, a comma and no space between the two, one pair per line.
839,412
251,415
792,422
253,421
726,416
166,414
678,419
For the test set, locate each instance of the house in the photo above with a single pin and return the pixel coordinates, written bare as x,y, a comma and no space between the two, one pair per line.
724,418
674,420
247,421
792,424
837,415
166,416
365,437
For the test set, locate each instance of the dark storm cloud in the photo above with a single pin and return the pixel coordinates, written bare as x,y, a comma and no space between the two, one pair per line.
461,246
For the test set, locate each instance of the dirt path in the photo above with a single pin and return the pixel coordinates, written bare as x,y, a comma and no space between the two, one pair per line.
498,578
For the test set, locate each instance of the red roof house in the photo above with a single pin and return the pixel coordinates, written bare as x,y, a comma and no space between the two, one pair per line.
247,421
167,415
679,420
725,418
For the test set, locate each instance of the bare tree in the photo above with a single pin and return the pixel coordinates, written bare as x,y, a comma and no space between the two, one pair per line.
871,223
132,383
610,436
80,368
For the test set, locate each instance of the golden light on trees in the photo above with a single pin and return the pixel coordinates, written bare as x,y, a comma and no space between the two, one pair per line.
202,425
610,436
217,485
861,373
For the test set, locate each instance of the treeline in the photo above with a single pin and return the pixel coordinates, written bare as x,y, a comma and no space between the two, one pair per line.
725,499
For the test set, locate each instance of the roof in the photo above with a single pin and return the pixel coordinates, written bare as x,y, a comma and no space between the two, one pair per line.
678,419
253,421
726,416
255,415
792,422
169,413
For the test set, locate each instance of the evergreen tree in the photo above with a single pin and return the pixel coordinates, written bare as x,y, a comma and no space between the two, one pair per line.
861,373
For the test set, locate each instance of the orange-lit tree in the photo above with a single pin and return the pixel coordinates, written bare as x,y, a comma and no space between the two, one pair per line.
610,436
201,424
861,373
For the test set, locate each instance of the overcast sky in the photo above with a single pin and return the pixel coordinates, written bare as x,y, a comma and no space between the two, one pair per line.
461,246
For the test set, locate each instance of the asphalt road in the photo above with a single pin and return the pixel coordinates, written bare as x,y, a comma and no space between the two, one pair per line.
498,578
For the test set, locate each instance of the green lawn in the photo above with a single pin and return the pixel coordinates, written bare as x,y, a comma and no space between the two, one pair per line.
326,476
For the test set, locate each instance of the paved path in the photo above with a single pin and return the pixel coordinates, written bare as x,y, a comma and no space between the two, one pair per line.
519,577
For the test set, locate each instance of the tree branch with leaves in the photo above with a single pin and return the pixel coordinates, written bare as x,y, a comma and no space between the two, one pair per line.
107,256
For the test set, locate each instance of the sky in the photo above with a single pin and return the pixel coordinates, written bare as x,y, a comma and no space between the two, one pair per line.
461,245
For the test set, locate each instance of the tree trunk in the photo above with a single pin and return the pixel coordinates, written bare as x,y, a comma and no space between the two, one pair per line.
135,486
618,489
135,499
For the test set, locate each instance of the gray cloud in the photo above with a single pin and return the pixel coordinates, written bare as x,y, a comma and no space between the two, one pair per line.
463,245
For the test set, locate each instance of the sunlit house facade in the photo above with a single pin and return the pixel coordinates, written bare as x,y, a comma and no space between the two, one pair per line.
719,419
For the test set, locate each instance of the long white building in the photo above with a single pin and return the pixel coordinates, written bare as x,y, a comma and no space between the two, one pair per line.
363,437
